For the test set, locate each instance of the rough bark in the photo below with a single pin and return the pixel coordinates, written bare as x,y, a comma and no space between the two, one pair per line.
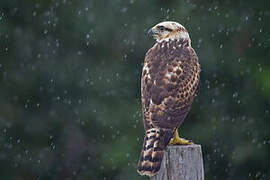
181,163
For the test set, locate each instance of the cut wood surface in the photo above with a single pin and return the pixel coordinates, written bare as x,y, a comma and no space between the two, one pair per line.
181,163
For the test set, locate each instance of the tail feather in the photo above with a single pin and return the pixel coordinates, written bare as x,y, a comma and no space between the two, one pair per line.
155,142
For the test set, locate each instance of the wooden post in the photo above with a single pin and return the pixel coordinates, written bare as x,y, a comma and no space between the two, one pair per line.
181,163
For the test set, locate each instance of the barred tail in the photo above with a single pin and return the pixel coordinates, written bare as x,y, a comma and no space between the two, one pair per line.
155,142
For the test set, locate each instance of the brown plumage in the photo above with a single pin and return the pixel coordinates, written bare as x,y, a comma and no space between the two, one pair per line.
169,83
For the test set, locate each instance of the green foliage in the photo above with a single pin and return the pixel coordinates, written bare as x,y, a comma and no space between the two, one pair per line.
70,86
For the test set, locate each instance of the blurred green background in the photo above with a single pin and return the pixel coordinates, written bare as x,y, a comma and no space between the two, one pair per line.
70,86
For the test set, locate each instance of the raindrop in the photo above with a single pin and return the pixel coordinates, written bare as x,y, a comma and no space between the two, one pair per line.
239,60
235,95
124,9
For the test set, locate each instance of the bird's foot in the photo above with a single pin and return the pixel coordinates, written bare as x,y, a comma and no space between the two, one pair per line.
176,140
180,141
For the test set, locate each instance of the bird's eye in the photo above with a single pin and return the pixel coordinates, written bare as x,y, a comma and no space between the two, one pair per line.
161,28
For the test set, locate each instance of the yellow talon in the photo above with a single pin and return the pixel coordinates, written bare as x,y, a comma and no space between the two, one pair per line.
176,140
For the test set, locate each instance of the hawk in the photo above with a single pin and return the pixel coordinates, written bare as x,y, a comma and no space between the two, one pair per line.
169,83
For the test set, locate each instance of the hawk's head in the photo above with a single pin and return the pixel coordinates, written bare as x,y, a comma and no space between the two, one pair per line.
168,30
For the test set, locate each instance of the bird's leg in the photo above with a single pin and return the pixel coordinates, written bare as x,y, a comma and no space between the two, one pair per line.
176,140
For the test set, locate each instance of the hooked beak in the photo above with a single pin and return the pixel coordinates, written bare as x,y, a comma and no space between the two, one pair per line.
150,32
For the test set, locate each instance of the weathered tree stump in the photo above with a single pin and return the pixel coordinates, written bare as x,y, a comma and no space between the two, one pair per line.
181,163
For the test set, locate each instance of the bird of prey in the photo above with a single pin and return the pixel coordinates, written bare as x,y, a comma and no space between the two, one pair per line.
169,83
